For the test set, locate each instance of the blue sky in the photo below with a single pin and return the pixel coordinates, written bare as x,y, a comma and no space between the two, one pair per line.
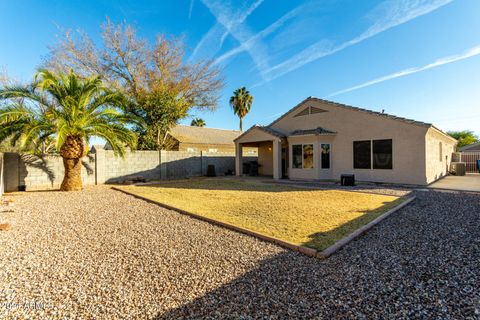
418,59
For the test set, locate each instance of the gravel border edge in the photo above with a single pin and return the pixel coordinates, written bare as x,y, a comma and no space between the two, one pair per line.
352,236
305,250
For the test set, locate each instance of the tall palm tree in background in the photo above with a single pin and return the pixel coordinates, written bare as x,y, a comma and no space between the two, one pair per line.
68,109
241,103
198,122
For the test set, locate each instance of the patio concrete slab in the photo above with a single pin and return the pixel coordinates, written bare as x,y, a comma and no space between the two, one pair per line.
469,182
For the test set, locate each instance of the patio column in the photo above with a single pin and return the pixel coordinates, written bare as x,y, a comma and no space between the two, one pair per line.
238,159
277,159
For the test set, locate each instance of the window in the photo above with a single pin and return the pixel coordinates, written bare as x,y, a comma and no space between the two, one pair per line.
382,154
325,159
191,150
307,156
302,156
212,150
440,151
297,156
362,154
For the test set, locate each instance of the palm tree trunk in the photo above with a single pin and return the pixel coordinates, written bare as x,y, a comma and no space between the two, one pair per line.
72,152
241,124
72,180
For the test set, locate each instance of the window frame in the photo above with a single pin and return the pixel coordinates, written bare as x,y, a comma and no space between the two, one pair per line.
329,156
293,156
370,154
302,145
313,155
373,154
372,166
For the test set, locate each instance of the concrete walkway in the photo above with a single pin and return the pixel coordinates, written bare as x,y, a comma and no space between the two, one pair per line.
470,182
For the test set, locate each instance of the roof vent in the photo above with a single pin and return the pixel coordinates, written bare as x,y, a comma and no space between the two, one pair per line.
310,110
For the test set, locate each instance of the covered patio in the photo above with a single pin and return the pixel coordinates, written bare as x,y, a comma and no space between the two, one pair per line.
272,151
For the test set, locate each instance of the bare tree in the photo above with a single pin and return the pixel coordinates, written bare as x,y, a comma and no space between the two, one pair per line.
148,73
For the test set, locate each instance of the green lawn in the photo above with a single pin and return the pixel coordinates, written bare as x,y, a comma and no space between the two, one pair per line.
312,218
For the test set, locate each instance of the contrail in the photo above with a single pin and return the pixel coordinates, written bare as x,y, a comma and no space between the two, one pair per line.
475,51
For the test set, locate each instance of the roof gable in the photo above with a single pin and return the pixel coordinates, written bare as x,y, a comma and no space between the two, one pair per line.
335,104
272,132
310,110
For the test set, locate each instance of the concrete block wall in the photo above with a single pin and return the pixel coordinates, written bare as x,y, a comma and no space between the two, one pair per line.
111,168
41,173
104,167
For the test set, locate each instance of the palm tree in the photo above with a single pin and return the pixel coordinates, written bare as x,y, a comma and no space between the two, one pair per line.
241,103
198,122
68,109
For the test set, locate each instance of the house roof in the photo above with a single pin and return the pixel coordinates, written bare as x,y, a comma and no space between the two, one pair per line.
202,135
380,114
473,147
268,130
376,113
317,131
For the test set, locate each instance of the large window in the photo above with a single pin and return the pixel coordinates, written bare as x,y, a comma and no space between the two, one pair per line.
307,156
302,156
362,154
297,156
325,147
382,154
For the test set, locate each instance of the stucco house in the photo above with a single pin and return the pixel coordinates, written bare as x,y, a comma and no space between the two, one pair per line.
320,140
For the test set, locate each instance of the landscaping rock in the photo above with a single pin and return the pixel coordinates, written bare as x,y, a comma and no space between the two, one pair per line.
103,254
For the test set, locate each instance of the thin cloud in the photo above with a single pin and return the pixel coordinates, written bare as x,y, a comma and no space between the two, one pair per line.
229,21
391,13
190,9
475,51
251,42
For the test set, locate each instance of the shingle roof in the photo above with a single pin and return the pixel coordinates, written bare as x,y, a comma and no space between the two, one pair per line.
380,114
317,131
473,147
202,135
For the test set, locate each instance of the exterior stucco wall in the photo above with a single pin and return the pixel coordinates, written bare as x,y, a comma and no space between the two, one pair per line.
409,165
265,159
437,164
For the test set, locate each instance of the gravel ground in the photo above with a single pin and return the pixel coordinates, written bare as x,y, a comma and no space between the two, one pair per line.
101,254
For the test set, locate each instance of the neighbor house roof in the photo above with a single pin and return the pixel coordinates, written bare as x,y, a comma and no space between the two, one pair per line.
202,135
472,147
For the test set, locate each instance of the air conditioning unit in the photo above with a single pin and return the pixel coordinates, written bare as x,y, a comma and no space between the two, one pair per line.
458,168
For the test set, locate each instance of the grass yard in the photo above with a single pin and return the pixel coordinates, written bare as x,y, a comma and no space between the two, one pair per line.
312,218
